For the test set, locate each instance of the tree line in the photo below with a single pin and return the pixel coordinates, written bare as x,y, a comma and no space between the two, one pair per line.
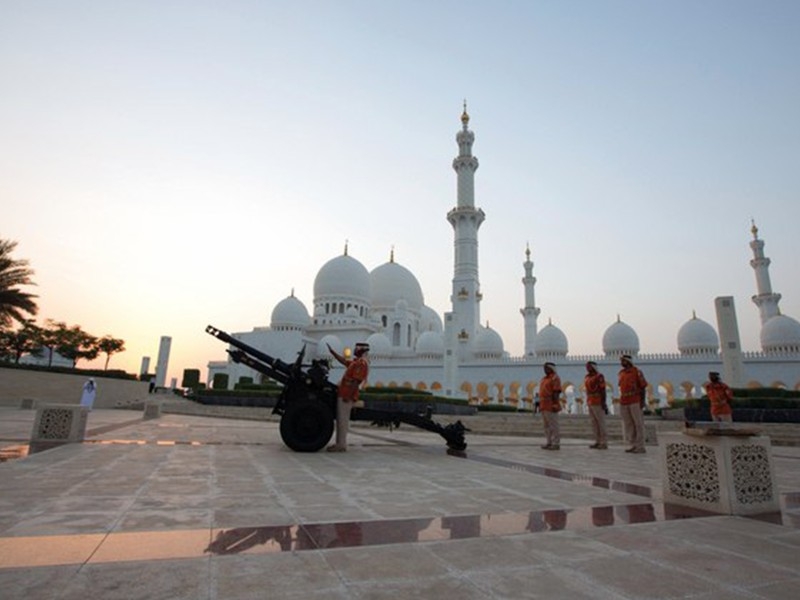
19,334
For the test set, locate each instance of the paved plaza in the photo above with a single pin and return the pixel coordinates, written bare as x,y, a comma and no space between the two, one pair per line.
189,507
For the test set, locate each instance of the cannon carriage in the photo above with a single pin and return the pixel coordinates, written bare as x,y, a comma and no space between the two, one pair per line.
307,403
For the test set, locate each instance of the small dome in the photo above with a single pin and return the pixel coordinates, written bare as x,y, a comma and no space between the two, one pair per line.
430,320
290,313
619,339
488,342
430,343
391,283
780,334
379,345
550,341
342,276
335,343
697,337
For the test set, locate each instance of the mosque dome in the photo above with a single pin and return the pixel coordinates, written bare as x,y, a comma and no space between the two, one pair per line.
391,282
430,320
550,341
697,337
342,276
335,343
780,334
430,343
290,313
619,339
379,345
488,342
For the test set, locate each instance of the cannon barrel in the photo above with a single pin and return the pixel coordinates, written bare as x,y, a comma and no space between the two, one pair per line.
277,369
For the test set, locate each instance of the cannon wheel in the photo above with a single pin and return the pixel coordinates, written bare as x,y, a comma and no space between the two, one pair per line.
306,426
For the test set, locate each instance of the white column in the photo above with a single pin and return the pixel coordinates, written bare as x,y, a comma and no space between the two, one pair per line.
163,360
730,346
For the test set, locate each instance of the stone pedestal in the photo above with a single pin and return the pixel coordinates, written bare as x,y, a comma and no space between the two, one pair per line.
650,434
728,472
60,423
152,409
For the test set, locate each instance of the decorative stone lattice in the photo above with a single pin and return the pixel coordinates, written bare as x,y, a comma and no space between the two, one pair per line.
751,474
60,423
55,424
693,472
718,471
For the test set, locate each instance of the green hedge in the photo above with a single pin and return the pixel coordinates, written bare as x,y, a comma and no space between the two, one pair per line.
738,402
765,393
501,408
234,393
395,390
269,387
406,395
110,373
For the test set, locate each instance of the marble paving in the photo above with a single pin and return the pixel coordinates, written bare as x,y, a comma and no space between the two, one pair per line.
210,508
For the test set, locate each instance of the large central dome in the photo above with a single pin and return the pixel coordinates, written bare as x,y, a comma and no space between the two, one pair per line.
342,276
392,282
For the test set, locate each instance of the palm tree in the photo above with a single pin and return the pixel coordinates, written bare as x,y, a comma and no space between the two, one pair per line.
14,273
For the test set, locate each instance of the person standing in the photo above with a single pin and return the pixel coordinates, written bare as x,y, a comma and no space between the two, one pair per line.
355,374
720,396
550,405
89,393
595,385
632,389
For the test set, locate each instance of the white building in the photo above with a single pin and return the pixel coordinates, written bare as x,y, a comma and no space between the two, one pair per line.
457,356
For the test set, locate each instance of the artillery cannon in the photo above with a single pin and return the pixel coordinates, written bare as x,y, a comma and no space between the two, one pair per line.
307,403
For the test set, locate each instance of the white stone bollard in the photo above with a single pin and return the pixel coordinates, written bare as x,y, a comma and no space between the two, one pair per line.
719,470
152,410
60,423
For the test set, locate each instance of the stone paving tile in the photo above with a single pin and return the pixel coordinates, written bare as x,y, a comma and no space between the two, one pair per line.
162,580
36,583
189,494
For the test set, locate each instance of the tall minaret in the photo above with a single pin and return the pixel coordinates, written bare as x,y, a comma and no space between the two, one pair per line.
466,220
765,299
530,313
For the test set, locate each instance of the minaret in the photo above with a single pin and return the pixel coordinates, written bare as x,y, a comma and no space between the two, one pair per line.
530,312
765,299
466,220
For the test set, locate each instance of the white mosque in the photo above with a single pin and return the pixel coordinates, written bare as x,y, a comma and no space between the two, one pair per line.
412,346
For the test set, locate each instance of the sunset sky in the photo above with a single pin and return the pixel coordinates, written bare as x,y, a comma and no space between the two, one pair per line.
166,165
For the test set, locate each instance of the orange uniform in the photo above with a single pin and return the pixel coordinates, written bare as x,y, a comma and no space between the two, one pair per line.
720,396
632,385
549,392
355,374
595,387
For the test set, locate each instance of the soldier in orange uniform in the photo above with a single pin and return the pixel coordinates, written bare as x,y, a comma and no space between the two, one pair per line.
720,396
632,389
595,385
355,374
550,405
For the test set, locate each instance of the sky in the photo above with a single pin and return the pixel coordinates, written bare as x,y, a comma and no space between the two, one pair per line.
165,165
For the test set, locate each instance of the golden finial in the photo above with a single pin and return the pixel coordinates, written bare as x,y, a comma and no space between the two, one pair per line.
345,246
618,319
754,229
464,115
292,292
694,315
391,255
527,250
